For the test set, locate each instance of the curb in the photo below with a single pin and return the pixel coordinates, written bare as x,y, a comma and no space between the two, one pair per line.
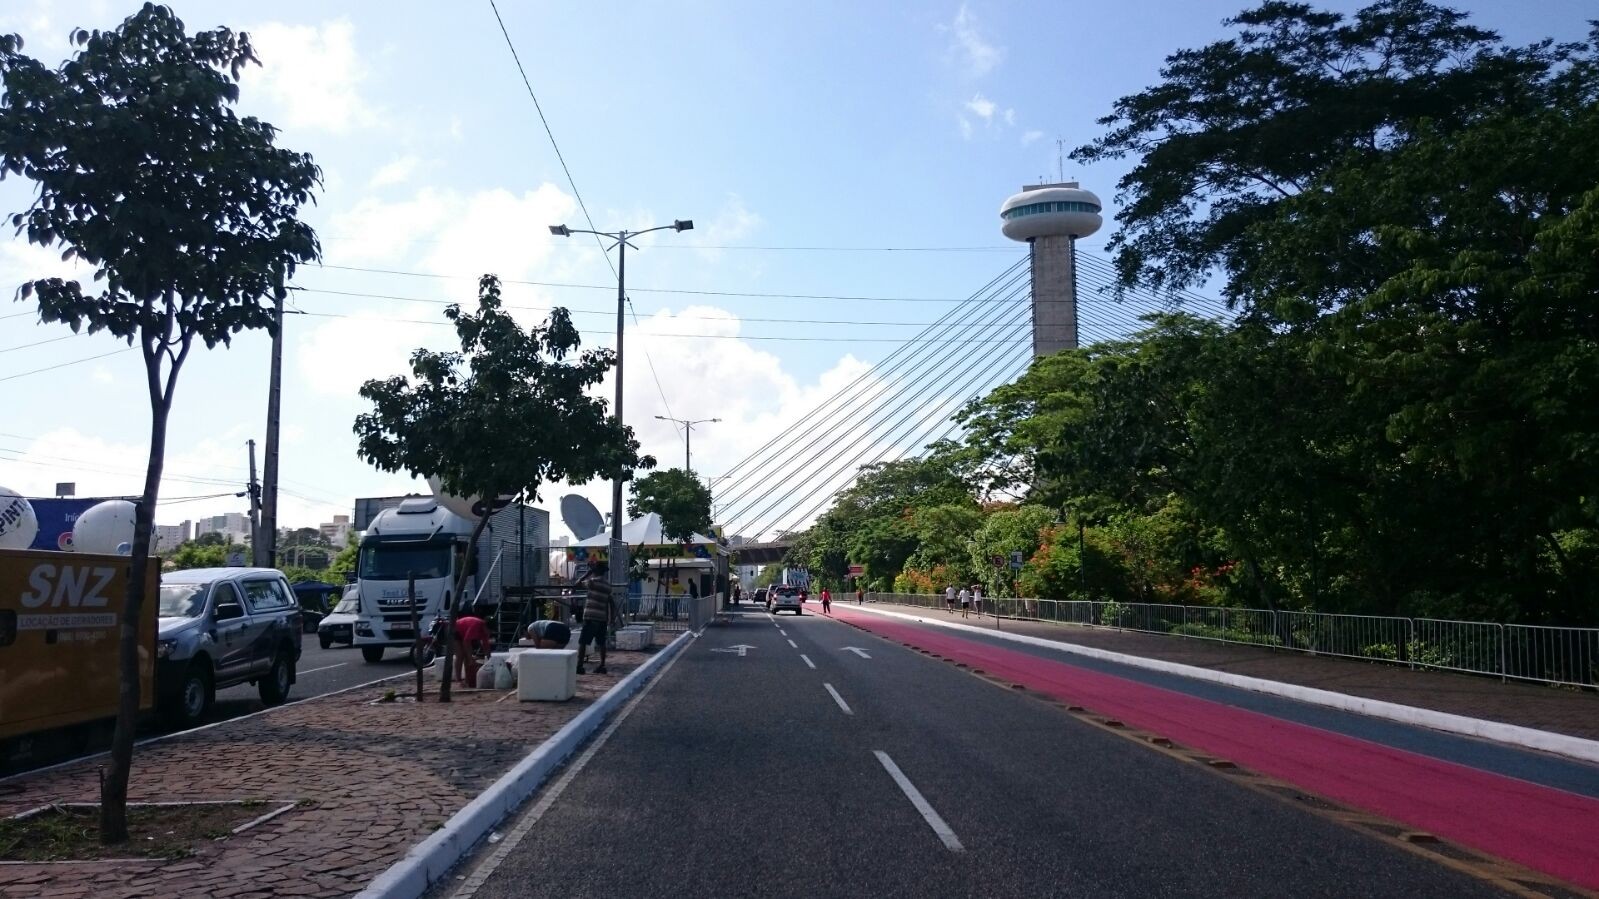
427,863
1494,731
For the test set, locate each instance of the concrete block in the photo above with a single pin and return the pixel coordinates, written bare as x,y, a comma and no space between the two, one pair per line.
546,675
631,638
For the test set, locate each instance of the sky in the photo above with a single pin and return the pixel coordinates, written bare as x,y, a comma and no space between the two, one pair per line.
803,139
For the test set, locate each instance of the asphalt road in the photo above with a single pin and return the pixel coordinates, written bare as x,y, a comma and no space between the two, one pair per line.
744,775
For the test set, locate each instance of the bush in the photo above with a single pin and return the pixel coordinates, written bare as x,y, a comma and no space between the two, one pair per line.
1230,634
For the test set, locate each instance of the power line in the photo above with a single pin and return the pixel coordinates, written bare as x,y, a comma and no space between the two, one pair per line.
682,291
36,371
572,182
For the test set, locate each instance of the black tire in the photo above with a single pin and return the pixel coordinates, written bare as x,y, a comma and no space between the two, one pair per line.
191,701
427,653
799,612
325,640
372,654
274,688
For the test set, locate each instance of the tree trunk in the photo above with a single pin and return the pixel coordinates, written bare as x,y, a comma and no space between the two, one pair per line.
455,601
114,791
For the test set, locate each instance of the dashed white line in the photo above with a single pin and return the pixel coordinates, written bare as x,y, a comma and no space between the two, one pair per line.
839,699
951,842
323,668
793,644
808,661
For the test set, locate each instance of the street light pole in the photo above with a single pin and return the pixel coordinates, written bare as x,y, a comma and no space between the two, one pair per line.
621,245
688,436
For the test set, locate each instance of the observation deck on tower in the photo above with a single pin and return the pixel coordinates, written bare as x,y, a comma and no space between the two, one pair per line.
1050,218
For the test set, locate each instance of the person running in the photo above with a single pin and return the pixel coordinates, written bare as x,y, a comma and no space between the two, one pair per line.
977,599
966,602
827,601
949,598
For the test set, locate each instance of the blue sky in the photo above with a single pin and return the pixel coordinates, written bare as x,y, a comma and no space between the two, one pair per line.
770,124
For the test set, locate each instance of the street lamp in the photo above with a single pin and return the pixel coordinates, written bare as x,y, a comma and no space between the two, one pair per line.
688,435
618,574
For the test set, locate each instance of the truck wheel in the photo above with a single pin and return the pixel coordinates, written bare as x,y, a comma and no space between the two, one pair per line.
186,706
372,653
275,686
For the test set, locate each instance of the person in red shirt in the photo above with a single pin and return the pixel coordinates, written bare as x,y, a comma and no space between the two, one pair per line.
472,645
827,601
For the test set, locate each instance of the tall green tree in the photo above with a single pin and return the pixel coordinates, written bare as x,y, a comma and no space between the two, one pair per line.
508,413
678,496
187,213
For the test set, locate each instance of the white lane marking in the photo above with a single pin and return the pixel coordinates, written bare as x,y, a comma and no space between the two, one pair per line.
951,842
508,845
793,644
783,632
808,661
323,668
858,651
839,699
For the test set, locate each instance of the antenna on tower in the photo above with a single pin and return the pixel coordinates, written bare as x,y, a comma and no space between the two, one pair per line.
1060,159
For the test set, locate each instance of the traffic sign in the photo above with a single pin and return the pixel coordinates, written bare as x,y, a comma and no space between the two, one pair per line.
1016,561
857,570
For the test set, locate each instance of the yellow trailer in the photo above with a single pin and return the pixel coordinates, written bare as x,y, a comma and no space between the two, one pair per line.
60,622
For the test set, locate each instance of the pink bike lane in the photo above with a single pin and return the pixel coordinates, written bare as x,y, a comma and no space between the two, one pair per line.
1545,829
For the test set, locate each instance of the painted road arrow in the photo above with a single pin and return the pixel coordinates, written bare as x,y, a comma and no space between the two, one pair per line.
740,649
858,651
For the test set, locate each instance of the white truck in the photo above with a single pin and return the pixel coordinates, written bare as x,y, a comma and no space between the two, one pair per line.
418,538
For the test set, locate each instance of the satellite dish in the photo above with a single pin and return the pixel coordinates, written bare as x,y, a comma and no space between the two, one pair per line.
18,524
580,516
468,507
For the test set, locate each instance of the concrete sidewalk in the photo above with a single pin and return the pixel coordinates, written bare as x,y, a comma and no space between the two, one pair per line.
370,779
1555,709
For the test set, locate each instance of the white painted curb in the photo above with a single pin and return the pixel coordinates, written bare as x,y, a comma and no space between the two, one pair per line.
430,860
1495,731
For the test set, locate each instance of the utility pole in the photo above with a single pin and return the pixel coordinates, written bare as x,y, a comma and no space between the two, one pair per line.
618,569
256,548
268,531
688,437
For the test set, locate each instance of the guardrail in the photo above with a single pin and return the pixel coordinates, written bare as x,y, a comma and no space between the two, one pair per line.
1564,656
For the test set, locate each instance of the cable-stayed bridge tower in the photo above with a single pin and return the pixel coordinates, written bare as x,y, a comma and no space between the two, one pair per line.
1050,218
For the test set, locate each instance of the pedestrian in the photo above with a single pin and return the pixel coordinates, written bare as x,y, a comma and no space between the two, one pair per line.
966,602
827,601
597,612
472,645
977,599
860,596
949,598
738,594
548,634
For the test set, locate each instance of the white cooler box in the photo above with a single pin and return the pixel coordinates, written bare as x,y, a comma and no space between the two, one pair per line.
546,675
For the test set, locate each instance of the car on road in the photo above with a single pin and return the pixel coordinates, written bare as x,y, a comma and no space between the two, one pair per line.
339,625
759,596
783,597
218,627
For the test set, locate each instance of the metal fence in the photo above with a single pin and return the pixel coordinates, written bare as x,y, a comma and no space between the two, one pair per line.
672,614
1566,656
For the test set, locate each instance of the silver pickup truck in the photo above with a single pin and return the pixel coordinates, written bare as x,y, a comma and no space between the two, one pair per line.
220,627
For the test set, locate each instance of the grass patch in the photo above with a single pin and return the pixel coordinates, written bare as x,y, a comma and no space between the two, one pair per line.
72,832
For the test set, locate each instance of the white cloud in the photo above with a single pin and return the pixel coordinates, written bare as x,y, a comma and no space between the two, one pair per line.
312,76
965,126
978,55
1010,116
1031,136
732,223
982,107
397,171
448,232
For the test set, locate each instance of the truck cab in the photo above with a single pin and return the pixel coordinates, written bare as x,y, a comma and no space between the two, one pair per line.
419,539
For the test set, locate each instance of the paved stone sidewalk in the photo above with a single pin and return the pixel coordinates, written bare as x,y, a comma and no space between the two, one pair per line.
1557,709
371,779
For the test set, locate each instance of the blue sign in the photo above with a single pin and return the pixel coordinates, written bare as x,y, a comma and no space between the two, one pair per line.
56,518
